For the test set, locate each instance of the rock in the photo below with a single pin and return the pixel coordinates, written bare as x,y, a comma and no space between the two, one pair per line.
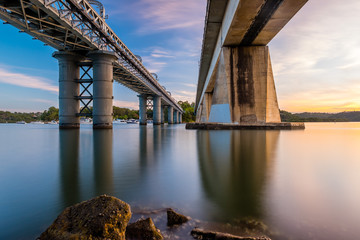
103,217
174,218
198,233
143,229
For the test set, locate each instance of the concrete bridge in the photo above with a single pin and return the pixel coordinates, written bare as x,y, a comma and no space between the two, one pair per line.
90,56
236,83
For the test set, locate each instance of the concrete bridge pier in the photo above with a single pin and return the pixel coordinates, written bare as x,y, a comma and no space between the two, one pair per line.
156,110
242,88
142,109
162,114
180,118
170,115
102,88
176,113
69,106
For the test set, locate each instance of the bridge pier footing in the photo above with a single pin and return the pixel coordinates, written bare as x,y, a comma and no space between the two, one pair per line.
156,110
69,88
142,109
102,88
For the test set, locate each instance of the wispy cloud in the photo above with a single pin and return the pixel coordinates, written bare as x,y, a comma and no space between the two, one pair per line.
162,15
26,81
316,57
126,104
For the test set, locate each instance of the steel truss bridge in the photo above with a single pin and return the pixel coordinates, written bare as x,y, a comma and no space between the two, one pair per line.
74,25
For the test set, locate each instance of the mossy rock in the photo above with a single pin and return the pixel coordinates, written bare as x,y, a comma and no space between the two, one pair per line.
174,218
143,229
103,217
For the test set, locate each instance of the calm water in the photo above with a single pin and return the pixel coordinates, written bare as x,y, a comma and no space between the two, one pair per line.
305,184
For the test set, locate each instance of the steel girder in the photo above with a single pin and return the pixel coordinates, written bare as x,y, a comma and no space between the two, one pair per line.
74,25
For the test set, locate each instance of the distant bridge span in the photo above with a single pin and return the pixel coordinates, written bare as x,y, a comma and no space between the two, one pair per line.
85,41
236,82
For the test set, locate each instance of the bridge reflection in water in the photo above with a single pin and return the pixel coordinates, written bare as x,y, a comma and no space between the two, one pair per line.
233,167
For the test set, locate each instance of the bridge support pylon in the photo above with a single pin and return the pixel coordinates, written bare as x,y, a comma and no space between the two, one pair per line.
142,109
242,88
102,88
170,115
176,114
162,114
156,110
69,88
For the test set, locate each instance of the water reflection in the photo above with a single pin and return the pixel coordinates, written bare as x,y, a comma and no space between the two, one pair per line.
103,161
233,167
69,165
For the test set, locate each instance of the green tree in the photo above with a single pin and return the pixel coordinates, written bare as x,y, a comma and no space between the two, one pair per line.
51,114
189,113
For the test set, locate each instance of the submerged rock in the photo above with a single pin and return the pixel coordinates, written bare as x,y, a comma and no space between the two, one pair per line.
103,217
143,229
198,233
174,218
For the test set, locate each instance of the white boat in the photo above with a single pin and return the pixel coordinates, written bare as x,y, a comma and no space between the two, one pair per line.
37,122
119,121
132,121
85,121
21,122
53,122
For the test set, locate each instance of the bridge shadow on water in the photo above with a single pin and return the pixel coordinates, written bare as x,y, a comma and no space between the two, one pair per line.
233,167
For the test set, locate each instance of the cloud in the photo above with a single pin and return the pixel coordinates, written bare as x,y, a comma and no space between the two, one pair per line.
182,95
26,81
162,15
316,57
126,104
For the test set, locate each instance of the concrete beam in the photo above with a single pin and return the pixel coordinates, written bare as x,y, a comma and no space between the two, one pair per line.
242,19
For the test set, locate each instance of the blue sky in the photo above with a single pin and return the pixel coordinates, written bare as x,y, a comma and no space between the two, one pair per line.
316,57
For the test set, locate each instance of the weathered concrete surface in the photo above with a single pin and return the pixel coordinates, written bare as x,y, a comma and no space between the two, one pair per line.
244,89
170,115
244,126
101,218
69,89
143,229
102,88
156,110
198,233
174,218
142,109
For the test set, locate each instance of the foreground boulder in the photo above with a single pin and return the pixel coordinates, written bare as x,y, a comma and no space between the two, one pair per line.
103,217
174,218
198,233
143,229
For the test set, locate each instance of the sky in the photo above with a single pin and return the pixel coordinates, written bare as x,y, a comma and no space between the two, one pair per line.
315,58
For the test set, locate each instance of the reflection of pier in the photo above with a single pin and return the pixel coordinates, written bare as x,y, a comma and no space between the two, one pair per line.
233,167
103,161
69,166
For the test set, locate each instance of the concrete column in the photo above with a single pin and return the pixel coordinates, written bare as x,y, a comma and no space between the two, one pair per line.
102,88
156,110
142,109
69,89
170,115
162,114
180,118
175,116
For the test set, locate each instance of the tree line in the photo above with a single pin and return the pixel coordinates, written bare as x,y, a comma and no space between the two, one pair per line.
52,114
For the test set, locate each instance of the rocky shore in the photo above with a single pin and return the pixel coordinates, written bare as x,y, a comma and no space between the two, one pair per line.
107,217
